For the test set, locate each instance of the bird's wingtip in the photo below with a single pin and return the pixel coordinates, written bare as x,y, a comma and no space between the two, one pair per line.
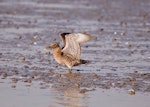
63,34
83,37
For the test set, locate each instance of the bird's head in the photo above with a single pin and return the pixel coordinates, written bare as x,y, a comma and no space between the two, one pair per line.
54,45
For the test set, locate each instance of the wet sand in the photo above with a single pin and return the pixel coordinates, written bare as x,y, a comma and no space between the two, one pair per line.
118,53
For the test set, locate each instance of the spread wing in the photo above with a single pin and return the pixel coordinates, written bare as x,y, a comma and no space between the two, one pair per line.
62,35
72,44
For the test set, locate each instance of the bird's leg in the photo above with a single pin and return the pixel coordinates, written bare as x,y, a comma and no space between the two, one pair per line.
69,71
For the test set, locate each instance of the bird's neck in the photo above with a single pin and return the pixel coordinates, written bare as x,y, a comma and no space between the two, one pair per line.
57,51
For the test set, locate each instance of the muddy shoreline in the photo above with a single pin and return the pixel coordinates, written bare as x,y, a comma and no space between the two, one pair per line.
84,82
118,53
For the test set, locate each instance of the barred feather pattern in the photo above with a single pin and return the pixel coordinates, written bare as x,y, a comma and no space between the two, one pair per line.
64,59
72,47
69,55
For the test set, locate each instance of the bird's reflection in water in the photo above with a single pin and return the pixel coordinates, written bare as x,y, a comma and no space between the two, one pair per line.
68,94
70,98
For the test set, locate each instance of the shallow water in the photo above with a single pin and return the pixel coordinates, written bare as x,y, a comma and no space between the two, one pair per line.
24,95
118,53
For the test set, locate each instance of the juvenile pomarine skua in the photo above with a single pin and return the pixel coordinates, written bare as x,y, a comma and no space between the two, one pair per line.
69,54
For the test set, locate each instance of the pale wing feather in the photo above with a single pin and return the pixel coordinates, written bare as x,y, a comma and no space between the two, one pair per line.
82,37
72,47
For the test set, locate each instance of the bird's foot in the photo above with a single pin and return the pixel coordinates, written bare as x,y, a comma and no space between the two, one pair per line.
70,71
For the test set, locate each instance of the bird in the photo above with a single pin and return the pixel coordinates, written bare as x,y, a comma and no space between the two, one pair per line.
69,54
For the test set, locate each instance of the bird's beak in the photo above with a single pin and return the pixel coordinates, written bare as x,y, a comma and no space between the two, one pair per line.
48,46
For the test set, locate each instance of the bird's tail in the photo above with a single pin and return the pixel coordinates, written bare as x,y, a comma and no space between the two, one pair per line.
84,61
81,61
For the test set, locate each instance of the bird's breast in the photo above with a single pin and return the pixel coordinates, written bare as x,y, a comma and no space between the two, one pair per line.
58,57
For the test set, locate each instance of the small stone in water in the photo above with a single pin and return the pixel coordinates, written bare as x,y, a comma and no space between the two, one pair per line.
13,86
14,80
22,58
19,37
35,43
135,71
114,39
122,33
115,33
4,75
128,44
131,91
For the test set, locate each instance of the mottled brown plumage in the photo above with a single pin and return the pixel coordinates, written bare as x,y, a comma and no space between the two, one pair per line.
69,54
